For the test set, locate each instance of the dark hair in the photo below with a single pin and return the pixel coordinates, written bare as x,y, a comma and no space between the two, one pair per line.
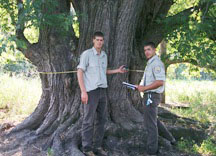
98,34
152,44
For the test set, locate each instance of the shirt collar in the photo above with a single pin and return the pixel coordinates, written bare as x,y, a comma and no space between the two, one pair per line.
96,53
152,59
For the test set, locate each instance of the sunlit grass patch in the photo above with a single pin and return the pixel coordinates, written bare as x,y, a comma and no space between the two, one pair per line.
201,99
18,97
207,147
199,95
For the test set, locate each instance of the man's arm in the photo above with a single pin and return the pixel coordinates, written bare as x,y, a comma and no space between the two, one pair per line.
152,86
115,71
160,77
84,95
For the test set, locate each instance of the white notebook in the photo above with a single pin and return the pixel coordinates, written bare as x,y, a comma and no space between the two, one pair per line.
131,86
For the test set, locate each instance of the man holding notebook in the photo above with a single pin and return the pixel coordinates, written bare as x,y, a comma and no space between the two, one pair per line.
152,85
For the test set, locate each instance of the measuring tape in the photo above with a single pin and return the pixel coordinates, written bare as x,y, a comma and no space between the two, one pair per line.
68,72
64,72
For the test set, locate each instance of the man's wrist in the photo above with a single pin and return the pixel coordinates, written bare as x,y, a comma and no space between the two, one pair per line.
118,71
83,91
143,88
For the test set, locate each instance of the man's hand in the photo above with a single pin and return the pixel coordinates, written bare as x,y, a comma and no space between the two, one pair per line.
141,88
118,70
84,97
121,69
152,86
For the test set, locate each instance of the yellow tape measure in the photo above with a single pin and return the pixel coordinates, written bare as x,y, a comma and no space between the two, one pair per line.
68,72
138,71
64,72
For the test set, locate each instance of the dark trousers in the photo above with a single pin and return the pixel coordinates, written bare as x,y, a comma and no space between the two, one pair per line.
153,125
94,119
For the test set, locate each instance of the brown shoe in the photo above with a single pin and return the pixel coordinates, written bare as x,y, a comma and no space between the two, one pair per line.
89,153
100,151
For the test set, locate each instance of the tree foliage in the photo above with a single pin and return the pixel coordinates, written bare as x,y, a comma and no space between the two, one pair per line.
194,40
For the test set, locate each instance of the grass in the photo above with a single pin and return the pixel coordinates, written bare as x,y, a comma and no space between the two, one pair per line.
201,98
199,95
18,97
207,148
50,152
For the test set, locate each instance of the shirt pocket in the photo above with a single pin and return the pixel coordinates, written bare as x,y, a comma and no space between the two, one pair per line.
149,76
93,67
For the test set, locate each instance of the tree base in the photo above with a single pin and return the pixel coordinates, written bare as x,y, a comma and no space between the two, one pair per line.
118,141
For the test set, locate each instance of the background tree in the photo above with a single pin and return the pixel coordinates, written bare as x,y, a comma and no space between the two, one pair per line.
127,24
191,39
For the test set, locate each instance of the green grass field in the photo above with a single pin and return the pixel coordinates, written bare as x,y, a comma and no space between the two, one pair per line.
199,95
20,96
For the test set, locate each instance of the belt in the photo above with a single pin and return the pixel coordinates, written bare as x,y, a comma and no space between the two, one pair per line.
151,93
99,88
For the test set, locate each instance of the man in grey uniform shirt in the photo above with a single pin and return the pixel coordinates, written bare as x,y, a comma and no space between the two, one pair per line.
152,84
91,73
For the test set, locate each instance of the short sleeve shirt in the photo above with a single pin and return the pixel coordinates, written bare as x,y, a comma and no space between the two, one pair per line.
94,68
154,71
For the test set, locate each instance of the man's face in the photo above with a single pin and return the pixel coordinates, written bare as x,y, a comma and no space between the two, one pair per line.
149,51
98,42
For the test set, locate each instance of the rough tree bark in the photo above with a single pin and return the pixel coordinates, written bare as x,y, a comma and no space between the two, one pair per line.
56,122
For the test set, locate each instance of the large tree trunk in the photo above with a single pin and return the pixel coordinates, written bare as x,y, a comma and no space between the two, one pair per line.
127,24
